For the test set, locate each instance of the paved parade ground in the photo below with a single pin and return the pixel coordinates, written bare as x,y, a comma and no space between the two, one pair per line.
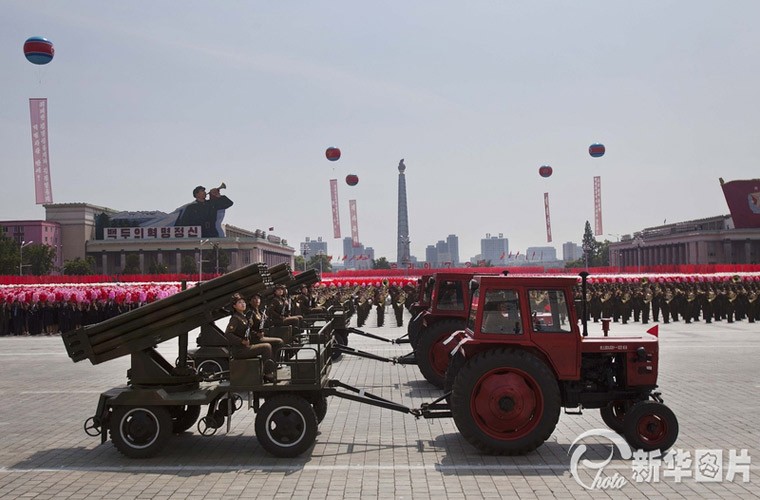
709,376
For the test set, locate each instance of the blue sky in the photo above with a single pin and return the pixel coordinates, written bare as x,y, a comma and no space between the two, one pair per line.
149,99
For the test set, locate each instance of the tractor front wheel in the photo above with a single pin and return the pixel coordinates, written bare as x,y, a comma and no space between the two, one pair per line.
286,425
140,432
505,402
614,414
649,425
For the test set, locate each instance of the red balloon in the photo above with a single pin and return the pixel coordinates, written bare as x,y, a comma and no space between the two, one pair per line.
545,171
352,180
332,154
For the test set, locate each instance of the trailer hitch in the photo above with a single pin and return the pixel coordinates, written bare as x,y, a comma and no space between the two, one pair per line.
400,340
363,354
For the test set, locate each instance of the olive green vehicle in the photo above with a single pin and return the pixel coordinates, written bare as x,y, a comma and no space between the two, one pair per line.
161,399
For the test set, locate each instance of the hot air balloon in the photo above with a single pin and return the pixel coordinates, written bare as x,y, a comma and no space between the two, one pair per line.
596,150
38,50
352,180
545,171
332,154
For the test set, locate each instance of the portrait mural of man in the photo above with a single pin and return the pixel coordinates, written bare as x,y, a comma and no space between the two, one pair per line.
206,213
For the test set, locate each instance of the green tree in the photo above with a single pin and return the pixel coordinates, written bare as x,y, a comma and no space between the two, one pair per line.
79,266
381,263
9,254
188,265
157,268
299,262
314,263
40,258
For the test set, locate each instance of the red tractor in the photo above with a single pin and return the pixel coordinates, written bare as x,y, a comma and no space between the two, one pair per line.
449,297
522,357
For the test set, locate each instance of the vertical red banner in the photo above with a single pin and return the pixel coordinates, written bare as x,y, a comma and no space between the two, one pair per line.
335,213
354,224
548,218
42,189
598,206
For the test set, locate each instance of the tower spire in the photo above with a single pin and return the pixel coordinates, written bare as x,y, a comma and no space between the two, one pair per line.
402,256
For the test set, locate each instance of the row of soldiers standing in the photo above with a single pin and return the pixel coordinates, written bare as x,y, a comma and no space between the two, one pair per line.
730,301
378,297
53,317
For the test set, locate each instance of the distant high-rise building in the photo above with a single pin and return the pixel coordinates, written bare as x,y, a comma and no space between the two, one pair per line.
310,248
494,249
571,251
357,257
402,255
453,242
431,256
541,254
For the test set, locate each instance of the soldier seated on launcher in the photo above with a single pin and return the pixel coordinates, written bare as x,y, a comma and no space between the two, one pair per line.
246,345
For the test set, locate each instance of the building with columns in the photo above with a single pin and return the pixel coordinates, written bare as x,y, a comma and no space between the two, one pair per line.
81,236
713,240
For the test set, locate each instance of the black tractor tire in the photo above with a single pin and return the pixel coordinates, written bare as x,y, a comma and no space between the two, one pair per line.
649,426
432,356
614,414
184,417
413,330
286,425
140,431
455,365
320,407
505,402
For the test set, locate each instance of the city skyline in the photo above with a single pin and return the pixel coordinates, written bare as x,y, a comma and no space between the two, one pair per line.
475,100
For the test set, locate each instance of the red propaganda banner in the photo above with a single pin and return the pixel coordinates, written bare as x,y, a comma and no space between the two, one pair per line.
354,224
548,218
743,198
598,206
335,214
42,189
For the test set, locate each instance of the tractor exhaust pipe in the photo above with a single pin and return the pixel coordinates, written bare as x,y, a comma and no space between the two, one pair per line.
584,320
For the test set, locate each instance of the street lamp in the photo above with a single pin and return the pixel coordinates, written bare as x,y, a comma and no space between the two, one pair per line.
200,260
21,256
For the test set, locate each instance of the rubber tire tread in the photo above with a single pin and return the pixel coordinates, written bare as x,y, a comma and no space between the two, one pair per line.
164,431
310,425
478,366
428,337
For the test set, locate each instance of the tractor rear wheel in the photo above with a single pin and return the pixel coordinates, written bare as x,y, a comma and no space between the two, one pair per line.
286,425
505,402
649,425
413,330
140,431
614,414
432,355
184,417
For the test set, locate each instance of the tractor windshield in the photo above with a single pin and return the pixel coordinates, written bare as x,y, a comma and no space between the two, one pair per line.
501,312
450,296
548,310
